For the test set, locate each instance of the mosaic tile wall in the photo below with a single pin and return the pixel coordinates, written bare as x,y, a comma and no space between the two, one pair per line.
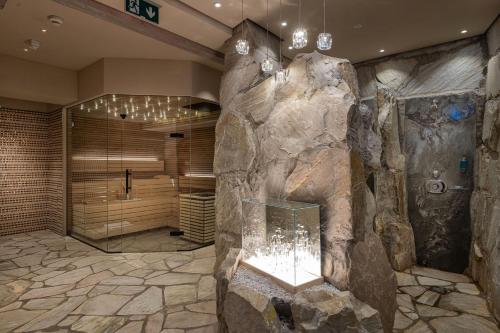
30,171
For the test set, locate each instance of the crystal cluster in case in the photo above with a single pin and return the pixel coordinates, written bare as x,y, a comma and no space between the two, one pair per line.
281,239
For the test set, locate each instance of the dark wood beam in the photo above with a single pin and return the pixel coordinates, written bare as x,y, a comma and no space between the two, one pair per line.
112,15
2,3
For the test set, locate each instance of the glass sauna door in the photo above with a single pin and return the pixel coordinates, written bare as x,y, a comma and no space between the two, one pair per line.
133,188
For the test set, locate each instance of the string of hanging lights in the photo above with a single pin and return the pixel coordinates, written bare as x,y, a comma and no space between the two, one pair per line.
242,45
267,65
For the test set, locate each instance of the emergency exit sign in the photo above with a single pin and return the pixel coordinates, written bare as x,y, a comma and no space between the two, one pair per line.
143,8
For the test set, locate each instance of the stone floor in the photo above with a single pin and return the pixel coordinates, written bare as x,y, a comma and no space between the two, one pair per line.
50,283
435,301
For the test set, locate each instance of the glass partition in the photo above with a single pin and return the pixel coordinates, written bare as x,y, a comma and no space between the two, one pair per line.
134,181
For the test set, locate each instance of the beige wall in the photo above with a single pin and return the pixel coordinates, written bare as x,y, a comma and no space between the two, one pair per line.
21,79
148,77
18,104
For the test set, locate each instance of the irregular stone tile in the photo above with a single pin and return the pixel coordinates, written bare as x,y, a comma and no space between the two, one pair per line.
200,266
186,319
154,323
425,281
413,291
94,279
104,265
176,260
170,279
405,301
49,275
128,290
53,316
87,261
68,321
46,292
154,257
102,305
43,303
464,324
12,319
204,252
440,275
204,307
123,269
70,277
137,317
98,324
159,265
18,272
6,265
11,306
180,294
428,298
401,321
464,303
79,291
37,285
173,330
29,260
123,280
7,295
467,288
405,279
419,327
411,315
148,302
140,272
206,288
133,327
177,308
99,290
431,311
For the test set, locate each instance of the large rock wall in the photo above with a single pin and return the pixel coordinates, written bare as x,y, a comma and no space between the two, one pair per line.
485,203
306,140
425,101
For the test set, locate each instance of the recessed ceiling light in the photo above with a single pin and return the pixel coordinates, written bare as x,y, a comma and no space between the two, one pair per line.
26,50
463,31
217,4
44,30
358,26
284,24
381,50
290,47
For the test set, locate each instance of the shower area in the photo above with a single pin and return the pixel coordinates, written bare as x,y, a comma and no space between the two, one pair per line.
140,173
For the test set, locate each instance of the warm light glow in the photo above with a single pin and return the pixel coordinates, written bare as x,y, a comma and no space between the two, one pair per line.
242,46
382,51
284,24
299,38
44,30
217,4
463,31
267,66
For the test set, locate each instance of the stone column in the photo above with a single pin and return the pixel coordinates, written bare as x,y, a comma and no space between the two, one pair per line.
306,141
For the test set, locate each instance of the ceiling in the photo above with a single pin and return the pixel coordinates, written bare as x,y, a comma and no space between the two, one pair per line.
393,25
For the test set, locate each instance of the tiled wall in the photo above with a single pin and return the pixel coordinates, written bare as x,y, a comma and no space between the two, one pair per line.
30,171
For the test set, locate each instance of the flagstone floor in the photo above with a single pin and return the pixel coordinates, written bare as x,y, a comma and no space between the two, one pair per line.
50,283
430,300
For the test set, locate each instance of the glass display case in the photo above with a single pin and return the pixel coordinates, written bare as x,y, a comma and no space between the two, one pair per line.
281,239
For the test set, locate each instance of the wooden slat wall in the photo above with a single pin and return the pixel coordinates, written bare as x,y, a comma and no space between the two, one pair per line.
30,171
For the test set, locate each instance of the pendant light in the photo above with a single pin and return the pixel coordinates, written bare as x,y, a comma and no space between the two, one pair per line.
267,65
281,74
324,39
242,45
299,39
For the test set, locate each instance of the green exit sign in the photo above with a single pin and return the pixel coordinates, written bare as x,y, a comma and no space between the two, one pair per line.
143,8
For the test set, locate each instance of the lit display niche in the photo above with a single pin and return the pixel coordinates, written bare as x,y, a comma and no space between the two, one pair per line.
281,239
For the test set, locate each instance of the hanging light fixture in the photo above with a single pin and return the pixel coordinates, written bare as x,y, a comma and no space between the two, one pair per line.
242,45
267,65
281,74
299,39
324,41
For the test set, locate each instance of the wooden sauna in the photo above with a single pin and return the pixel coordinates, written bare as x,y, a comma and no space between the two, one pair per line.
131,176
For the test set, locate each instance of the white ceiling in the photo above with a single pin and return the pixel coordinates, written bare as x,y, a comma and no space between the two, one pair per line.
394,25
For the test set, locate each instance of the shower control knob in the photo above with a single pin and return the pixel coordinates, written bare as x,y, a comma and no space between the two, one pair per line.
435,186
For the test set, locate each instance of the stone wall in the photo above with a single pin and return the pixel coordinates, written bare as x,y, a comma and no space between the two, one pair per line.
307,140
484,262
427,101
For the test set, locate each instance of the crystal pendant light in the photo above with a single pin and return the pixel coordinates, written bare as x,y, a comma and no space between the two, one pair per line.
324,41
281,74
299,38
242,45
267,66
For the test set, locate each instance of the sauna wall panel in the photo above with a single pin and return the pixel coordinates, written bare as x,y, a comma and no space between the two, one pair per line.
30,169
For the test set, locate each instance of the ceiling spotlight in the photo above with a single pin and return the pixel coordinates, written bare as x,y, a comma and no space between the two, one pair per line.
44,30
217,3
26,50
32,44
358,26
381,50
463,31
284,24
290,47
55,20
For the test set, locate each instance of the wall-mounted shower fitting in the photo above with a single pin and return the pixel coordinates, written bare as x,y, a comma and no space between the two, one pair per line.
464,165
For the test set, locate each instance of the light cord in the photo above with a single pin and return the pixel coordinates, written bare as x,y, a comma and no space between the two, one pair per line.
267,29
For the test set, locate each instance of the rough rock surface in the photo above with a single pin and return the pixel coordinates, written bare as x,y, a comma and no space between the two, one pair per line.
484,262
306,141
